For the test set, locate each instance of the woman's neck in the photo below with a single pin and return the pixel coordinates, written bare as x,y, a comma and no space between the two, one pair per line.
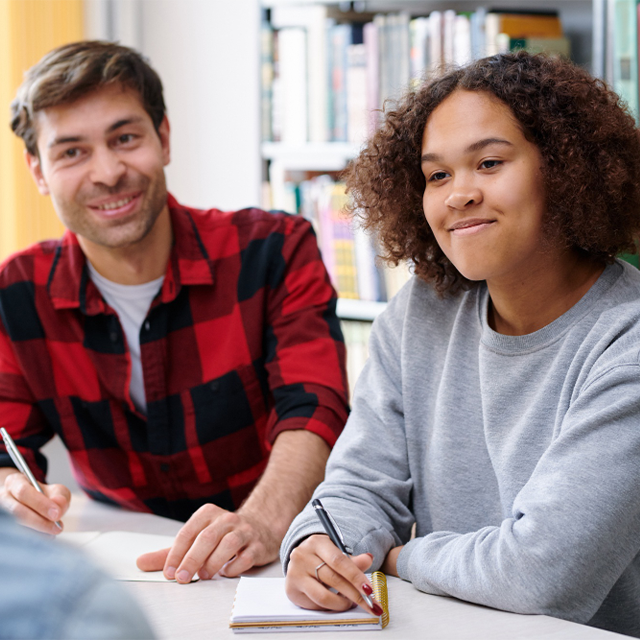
519,307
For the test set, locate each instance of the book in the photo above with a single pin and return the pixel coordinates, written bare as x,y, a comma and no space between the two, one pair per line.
313,18
356,87
261,605
555,46
292,68
356,338
266,74
370,37
520,25
625,52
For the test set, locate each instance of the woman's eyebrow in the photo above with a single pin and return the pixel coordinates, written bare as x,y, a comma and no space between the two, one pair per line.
476,146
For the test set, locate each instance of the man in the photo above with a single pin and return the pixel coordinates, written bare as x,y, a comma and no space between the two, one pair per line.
190,361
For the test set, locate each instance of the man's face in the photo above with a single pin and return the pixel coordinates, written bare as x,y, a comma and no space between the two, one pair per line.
102,162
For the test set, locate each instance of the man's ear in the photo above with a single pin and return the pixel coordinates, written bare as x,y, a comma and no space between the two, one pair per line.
163,131
35,168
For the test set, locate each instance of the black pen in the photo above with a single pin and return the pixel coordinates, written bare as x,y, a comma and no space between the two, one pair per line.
336,538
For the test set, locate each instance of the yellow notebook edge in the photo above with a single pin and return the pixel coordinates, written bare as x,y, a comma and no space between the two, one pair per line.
379,584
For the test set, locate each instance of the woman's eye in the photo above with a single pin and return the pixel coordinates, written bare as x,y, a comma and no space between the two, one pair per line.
489,164
71,153
437,176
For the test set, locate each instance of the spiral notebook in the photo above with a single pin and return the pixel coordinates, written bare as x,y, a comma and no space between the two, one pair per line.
261,605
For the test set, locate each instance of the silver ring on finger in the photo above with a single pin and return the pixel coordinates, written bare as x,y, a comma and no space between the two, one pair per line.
317,569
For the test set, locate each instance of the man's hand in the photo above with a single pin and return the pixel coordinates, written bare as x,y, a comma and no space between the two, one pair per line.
214,540
30,507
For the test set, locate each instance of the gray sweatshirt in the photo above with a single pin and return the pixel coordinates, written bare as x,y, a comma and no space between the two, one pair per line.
517,457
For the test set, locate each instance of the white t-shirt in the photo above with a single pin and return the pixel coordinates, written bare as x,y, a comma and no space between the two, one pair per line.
131,303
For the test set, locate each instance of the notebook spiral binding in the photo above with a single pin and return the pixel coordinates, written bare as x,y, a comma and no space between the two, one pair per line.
379,582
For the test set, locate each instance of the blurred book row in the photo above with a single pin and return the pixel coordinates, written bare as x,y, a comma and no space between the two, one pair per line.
349,253
356,337
325,72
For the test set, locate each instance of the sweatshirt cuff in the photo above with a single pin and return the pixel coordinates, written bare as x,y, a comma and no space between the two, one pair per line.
404,559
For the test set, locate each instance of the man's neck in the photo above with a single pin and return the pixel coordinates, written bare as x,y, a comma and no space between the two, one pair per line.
137,263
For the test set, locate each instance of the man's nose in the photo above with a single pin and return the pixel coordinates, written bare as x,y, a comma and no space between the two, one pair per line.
106,167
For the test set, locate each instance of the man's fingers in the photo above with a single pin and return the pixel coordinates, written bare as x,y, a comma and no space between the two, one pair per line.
30,507
30,518
185,540
211,550
152,561
59,494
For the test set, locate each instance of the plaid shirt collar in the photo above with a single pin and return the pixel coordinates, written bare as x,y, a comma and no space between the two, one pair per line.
70,286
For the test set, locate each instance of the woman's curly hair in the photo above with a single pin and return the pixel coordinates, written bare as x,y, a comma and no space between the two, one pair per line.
588,142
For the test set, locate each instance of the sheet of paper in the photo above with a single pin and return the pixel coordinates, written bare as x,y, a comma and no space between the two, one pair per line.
116,551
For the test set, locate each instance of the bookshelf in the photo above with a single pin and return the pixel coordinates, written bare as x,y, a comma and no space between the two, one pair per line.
297,152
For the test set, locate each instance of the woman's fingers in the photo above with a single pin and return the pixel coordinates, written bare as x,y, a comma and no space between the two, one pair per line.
317,567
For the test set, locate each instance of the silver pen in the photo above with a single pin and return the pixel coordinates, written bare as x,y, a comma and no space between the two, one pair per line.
21,463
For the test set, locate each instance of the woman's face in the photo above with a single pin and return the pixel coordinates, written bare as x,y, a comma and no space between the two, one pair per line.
484,198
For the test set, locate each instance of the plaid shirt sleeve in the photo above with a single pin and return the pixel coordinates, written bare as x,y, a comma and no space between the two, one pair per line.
20,413
305,353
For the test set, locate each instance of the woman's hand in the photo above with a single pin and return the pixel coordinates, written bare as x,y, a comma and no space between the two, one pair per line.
316,565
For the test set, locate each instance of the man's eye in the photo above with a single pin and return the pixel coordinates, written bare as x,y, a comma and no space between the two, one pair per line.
125,138
71,153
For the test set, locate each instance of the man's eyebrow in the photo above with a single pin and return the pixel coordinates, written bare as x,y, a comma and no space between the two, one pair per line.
115,126
476,146
64,140
124,122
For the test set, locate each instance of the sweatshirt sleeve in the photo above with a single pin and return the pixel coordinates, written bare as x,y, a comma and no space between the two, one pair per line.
574,528
367,488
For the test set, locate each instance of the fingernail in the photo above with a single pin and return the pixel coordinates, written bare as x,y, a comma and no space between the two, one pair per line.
170,572
204,575
183,576
377,609
54,514
367,589
370,555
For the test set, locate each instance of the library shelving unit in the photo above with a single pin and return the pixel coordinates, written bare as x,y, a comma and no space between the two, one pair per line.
583,23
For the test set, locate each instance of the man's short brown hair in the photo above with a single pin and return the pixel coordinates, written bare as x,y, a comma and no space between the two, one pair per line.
77,69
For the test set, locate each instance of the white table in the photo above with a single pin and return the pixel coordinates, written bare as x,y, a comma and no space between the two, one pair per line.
202,609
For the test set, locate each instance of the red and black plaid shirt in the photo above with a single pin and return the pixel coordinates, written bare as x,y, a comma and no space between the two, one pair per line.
241,343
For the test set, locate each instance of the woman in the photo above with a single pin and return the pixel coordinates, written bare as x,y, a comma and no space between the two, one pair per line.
500,408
